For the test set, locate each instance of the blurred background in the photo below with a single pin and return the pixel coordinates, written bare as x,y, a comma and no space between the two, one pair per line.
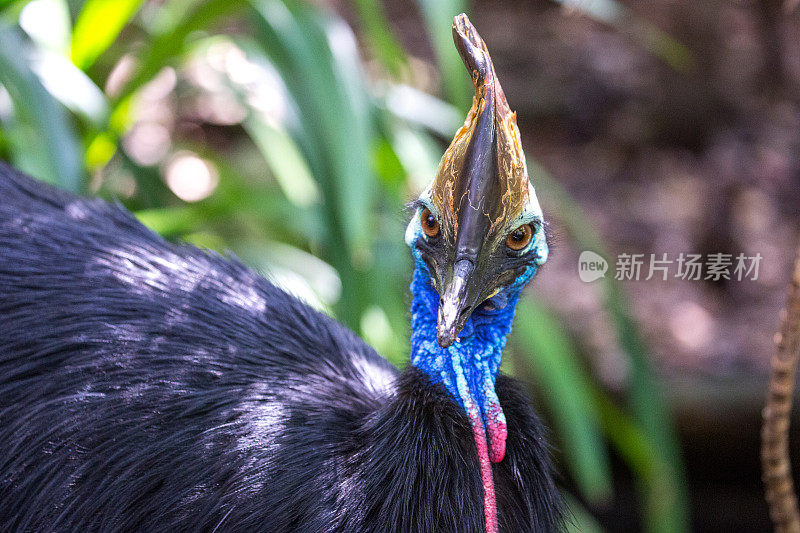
291,133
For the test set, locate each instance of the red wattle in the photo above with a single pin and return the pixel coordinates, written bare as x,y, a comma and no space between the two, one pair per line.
498,432
489,500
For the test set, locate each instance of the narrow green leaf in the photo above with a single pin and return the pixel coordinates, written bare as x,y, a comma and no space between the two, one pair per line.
72,87
237,207
318,60
43,141
97,26
379,36
629,440
438,16
356,182
568,391
9,10
417,152
285,161
169,221
423,110
581,521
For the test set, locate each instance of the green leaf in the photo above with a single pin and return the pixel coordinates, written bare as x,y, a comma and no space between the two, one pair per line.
9,9
630,440
4,4
169,221
567,389
438,16
417,152
295,270
581,520
42,139
379,36
284,159
423,110
318,61
97,26
72,87
356,181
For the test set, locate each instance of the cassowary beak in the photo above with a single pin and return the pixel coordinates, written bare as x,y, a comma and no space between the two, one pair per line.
456,303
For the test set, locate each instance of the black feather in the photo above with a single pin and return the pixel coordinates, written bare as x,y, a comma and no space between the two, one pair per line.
157,387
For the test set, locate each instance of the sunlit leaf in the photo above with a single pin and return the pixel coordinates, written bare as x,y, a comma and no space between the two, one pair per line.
169,221
417,152
97,26
317,59
100,150
356,176
44,142
71,87
48,23
423,110
4,4
317,276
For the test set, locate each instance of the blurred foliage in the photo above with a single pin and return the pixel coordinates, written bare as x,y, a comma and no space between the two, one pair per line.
617,15
251,127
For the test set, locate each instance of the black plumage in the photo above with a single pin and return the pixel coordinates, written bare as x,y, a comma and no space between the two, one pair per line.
151,386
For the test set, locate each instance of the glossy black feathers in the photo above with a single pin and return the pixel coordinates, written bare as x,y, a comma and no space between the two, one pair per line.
157,387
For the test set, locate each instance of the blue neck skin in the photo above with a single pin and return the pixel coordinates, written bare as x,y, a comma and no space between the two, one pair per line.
469,367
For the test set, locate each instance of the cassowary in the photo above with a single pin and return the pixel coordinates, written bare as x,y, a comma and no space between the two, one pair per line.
151,386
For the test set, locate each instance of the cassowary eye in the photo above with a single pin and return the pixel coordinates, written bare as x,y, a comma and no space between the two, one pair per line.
520,237
429,223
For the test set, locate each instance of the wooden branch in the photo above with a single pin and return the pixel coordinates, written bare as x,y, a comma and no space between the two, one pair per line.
776,467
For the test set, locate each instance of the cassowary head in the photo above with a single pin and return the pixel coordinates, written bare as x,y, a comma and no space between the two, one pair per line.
478,227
